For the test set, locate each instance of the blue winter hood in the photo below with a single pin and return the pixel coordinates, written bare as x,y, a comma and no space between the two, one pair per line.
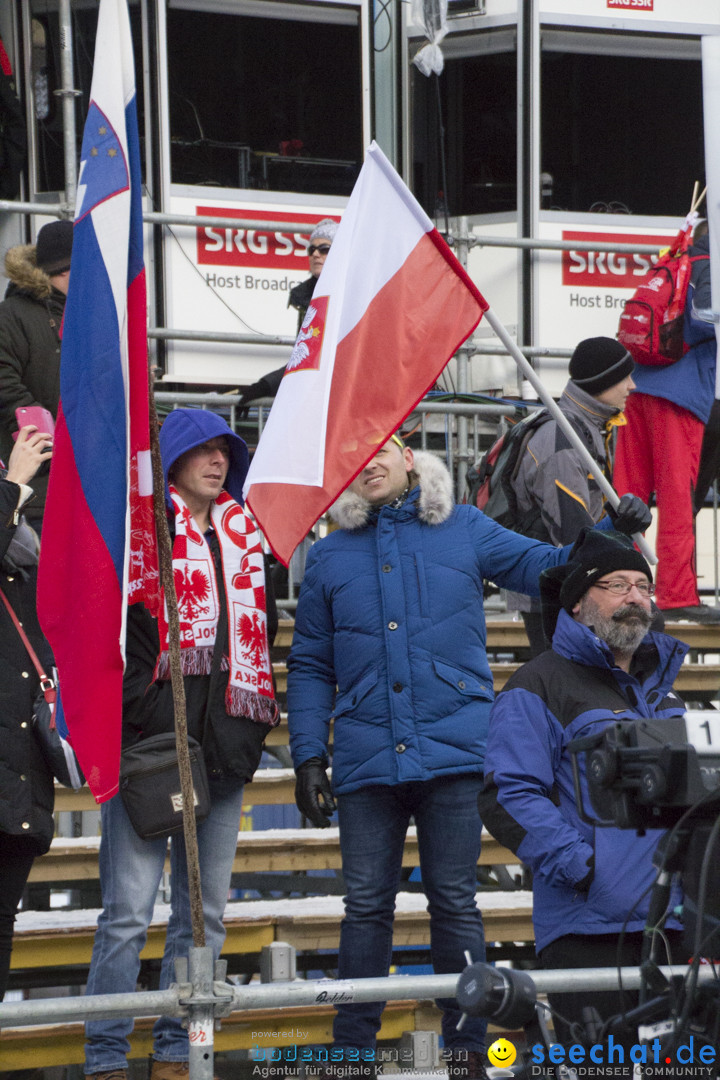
185,429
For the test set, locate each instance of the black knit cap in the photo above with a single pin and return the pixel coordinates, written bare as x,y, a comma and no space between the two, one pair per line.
53,247
596,554
599,363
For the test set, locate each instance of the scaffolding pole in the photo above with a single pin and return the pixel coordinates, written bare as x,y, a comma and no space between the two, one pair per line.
223,998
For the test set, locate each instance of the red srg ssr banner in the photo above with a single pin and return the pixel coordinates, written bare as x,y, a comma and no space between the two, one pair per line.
637,5
609,269
222,246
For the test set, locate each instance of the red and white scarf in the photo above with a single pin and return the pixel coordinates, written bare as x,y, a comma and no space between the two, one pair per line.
250,687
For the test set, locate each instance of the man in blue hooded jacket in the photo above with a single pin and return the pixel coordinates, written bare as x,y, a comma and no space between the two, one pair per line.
391,614
590,885
220,584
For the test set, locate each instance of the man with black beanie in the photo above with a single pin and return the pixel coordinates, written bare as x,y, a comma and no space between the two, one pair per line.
590,886
30,321
556,497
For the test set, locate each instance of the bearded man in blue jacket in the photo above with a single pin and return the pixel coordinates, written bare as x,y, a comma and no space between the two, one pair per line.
590,885
390,641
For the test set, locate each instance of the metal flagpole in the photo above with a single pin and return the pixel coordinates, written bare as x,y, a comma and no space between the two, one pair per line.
557,414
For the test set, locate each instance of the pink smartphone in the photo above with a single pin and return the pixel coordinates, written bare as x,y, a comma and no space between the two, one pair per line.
37,415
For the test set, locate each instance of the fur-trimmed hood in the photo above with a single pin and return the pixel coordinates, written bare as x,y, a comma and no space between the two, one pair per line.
435,503
25,274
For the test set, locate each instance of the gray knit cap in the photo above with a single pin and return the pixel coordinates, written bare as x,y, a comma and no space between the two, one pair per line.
324,230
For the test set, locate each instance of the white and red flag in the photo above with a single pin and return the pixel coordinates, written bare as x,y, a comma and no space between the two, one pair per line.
390,308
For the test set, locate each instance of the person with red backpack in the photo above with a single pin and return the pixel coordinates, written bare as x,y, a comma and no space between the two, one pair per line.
659,448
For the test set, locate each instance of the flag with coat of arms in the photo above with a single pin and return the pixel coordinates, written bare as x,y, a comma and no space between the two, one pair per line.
389,309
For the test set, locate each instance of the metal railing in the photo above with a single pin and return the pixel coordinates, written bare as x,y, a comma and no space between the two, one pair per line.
202,997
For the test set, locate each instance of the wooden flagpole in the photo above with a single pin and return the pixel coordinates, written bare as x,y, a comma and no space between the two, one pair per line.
167,582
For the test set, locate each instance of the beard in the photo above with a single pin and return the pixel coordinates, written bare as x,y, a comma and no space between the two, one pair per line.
623,630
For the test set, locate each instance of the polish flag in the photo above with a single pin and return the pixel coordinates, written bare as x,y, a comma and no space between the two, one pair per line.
390,308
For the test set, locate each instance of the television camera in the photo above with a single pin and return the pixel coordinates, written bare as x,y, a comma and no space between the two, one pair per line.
642,774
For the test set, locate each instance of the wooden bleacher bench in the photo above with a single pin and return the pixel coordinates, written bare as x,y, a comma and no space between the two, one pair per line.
510,634
269,787
266,850
60,938
696,681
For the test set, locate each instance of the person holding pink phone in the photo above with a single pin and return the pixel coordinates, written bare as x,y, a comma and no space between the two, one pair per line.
30,324
26,783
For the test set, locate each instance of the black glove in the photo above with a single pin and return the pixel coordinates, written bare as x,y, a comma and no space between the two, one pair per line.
259,389
632,515
311,786
583,885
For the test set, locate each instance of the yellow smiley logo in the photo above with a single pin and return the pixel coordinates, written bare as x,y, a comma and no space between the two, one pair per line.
502,1053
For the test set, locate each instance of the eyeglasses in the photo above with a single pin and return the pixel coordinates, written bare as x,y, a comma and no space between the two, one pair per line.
622,588
322,249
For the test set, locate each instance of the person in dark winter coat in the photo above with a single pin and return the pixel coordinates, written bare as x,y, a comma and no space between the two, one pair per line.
659,448
321,239
605,667
390,641
557,498
220,582
30,323
26,783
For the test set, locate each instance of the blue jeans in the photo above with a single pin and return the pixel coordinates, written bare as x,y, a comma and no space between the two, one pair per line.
373,823
130,874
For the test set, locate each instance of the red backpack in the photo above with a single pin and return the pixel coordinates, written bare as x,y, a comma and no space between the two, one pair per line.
651,325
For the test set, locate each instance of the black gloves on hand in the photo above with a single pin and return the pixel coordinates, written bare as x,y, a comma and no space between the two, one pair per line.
257,390
583,886
311,786
632,515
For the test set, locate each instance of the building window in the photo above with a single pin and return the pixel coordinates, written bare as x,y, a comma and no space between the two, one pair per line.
271,102
46,79
478,98
622,123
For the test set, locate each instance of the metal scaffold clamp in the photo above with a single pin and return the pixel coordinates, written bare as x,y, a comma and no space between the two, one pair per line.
205,998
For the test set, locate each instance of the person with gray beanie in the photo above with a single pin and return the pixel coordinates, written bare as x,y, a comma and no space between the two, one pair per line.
556,496
591,886
321,239
30,320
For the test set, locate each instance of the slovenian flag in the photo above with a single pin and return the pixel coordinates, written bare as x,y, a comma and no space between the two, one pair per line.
99,549
390,308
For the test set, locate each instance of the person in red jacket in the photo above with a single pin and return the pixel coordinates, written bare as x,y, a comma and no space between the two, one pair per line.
659,447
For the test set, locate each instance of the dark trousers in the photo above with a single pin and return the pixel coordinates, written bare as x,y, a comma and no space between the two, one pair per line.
599,951
14,872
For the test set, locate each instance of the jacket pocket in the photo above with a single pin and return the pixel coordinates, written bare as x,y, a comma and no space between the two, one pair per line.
467,684
345,703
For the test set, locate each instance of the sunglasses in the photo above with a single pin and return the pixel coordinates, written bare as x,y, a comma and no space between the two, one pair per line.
322,249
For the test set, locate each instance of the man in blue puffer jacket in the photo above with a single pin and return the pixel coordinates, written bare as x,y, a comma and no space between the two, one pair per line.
391,614
589,885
